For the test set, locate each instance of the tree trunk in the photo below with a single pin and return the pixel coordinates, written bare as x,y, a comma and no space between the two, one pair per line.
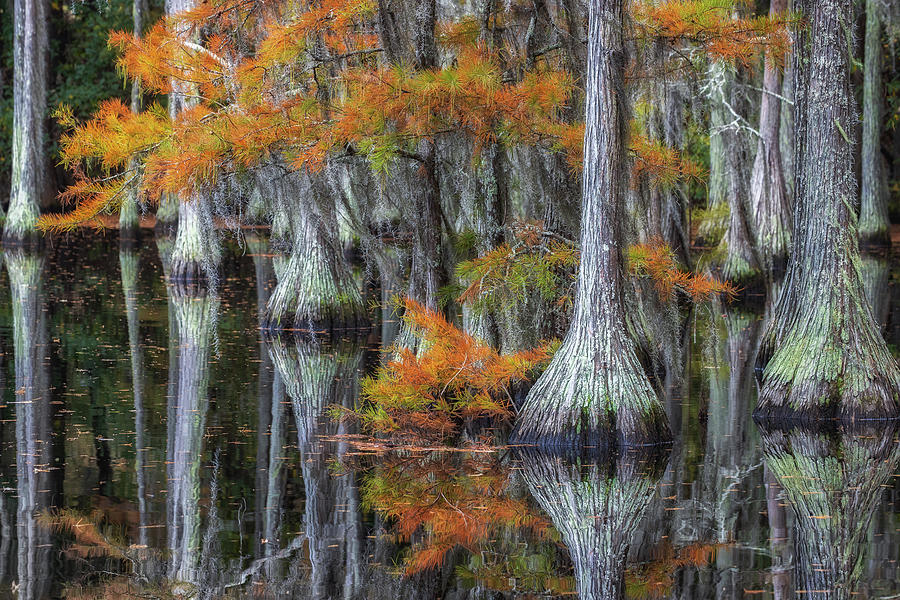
315,289
768,195
29,157
595,389
739,261
827,355
129,213
712,227
874,226
596,509
197,254
833,483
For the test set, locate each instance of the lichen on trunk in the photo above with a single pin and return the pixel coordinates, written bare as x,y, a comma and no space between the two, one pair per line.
197,251
594,389
824,355
768,195
315,289
29,159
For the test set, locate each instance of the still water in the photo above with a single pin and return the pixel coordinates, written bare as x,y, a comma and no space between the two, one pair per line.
153,445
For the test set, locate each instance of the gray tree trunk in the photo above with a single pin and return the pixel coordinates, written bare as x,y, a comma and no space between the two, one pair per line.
315,289
129,213
768,194
196,254
824,353
594,388
29,157
874,226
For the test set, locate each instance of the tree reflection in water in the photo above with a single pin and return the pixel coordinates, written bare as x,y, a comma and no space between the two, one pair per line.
833,481
318,374
38,477
596,503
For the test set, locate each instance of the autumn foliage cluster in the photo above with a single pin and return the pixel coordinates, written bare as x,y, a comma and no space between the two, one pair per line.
455,377
264,78
657,261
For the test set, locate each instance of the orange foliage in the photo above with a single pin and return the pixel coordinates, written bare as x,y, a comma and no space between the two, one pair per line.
455,500
656,260
662,164
455,377
712,25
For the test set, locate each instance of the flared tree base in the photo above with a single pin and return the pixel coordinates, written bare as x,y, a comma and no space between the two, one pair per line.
190,272
878,239
831,363
593,394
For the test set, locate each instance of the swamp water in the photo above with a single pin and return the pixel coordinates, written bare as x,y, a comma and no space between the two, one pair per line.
219,474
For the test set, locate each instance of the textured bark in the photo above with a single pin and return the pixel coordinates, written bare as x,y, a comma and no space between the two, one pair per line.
833,483
197,254
596,505
874,226
595,389
768,194
315,290
35,465
740,262
717,196
29,158
824,355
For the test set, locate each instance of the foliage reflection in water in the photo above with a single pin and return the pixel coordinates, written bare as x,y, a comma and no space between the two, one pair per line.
155,444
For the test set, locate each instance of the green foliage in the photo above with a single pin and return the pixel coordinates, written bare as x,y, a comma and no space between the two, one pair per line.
535,261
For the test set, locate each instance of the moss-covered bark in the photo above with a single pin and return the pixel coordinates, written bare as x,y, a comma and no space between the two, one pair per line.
874,226
315,290
596,504
29,158
833,483
824,354
197,253
738,259
594,389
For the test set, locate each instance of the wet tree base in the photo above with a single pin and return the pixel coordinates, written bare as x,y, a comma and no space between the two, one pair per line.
354,327
188,272
602,440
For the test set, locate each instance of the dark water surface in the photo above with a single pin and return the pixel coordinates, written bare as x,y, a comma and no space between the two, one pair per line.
154,446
